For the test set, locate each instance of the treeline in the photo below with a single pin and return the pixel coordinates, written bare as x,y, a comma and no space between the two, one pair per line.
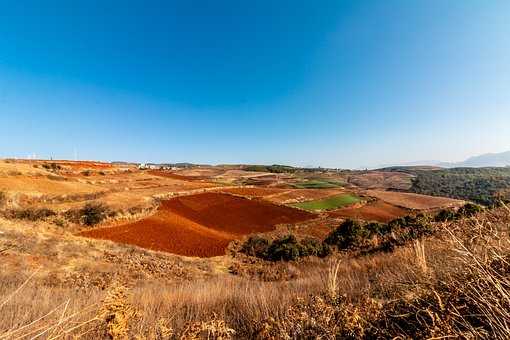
278,169
485,186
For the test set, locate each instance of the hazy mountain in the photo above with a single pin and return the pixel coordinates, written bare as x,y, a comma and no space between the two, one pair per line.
488,159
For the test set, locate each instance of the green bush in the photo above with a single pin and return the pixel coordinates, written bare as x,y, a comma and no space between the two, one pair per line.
349,234
256,246
376,236
469,209
91,214
287,248
314,247
445,215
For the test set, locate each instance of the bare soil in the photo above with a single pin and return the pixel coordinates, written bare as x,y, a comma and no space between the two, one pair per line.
201,225
414,201
374,211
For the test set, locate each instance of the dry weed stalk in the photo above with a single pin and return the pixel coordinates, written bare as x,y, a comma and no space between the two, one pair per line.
212,329
116,312
49,325
420,257
332,279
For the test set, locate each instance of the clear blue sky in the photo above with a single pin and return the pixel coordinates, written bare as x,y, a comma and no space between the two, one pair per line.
330,83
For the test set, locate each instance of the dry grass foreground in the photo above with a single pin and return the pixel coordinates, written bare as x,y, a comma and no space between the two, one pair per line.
456,284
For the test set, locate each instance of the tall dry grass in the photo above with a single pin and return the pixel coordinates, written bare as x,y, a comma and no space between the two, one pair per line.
456,284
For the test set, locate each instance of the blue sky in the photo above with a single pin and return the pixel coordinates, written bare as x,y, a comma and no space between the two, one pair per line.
330,83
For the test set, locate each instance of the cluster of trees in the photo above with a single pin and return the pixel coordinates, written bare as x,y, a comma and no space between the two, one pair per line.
275,168
369,237
485,186
354,235
286,248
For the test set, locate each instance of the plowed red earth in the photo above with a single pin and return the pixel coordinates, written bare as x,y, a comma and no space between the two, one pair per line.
201,225
375,211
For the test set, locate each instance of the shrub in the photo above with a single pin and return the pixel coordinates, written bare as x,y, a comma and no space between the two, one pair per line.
314,247
31,214
52,166
348,234
3,198
376,236
445,215
469,209
91,214
256,246
287,248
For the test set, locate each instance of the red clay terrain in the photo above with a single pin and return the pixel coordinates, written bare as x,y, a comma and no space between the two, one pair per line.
374,211
201,225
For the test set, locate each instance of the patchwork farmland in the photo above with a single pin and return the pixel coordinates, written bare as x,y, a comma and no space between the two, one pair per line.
201,225
92,225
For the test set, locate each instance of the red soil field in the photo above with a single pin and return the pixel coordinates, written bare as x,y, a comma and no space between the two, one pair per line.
201,225
375,211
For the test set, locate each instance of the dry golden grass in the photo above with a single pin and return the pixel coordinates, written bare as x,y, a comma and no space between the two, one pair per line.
456,284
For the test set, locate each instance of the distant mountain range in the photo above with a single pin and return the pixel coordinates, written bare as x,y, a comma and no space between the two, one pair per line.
486,160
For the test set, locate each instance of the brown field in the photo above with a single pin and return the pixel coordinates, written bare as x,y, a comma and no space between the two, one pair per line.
43,185
204,172
254,191
168,174
302,195
200,225
381,180
413,201
374,211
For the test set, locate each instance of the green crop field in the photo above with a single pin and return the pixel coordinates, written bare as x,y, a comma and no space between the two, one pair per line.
318,184
329,203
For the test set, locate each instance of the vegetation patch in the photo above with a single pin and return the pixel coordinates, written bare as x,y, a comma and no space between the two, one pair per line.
3,198
481,185
31,214
91,214
287,248
318,184
52,166
468,210
369,237
275,168
329,203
